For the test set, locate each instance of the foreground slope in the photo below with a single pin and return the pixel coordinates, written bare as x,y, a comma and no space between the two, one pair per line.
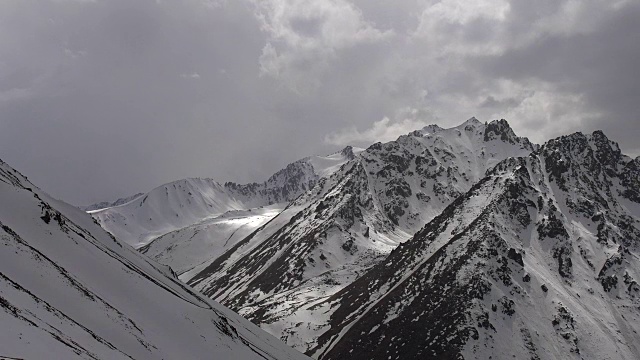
68,289
538,260
350,221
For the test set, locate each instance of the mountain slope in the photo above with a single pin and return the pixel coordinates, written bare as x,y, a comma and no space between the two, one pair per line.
68,289
348,222
192,248
538,260
188,202
108,204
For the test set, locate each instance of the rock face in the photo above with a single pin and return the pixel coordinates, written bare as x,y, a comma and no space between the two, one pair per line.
350,221
539,260
70,290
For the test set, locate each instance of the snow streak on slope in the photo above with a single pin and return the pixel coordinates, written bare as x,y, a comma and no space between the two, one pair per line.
108,204
348,222
539,260
190,249
188,202
69,290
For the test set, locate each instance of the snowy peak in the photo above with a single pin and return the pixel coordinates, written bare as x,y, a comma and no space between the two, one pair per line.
471,123
478,132
568,158
500,129
167,208
348,153
537,260
290,182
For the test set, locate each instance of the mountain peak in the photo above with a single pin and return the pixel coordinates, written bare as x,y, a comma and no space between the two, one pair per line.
598,141
347,152
472,121
500,129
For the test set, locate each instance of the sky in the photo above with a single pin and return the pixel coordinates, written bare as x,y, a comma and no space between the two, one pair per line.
105,98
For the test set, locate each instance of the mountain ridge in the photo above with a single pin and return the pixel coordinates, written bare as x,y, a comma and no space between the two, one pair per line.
493,261
351,220
512,228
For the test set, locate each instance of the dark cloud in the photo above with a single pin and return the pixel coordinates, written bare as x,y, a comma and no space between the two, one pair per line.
99,99
596,64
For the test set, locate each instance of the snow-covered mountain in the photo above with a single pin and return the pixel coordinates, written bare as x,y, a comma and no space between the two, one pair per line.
348,222
528,251
188,202
190,249
540,259
68,289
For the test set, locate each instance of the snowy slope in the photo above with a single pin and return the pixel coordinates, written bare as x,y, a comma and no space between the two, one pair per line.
538,260
70,290
188,202
190,249
166,208
108,204
349,221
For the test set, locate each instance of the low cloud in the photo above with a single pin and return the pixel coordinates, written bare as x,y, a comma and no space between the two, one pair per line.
383,130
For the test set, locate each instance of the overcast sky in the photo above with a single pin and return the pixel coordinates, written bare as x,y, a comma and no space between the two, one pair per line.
102,99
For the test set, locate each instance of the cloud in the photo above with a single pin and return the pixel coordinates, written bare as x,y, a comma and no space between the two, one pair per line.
584,73
304,36
382,130
101,99
193,75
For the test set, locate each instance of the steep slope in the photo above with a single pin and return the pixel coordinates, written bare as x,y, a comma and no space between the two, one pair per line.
538,260
68,290
190,249
349,221
188,202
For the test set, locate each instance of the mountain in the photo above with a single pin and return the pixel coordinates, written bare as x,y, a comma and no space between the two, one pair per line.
350,221
68,289
188,202
538,260
108,204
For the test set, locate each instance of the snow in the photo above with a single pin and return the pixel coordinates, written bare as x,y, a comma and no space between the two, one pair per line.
167,208
336,213
190,249
188,202
69,290
513,316
324,166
